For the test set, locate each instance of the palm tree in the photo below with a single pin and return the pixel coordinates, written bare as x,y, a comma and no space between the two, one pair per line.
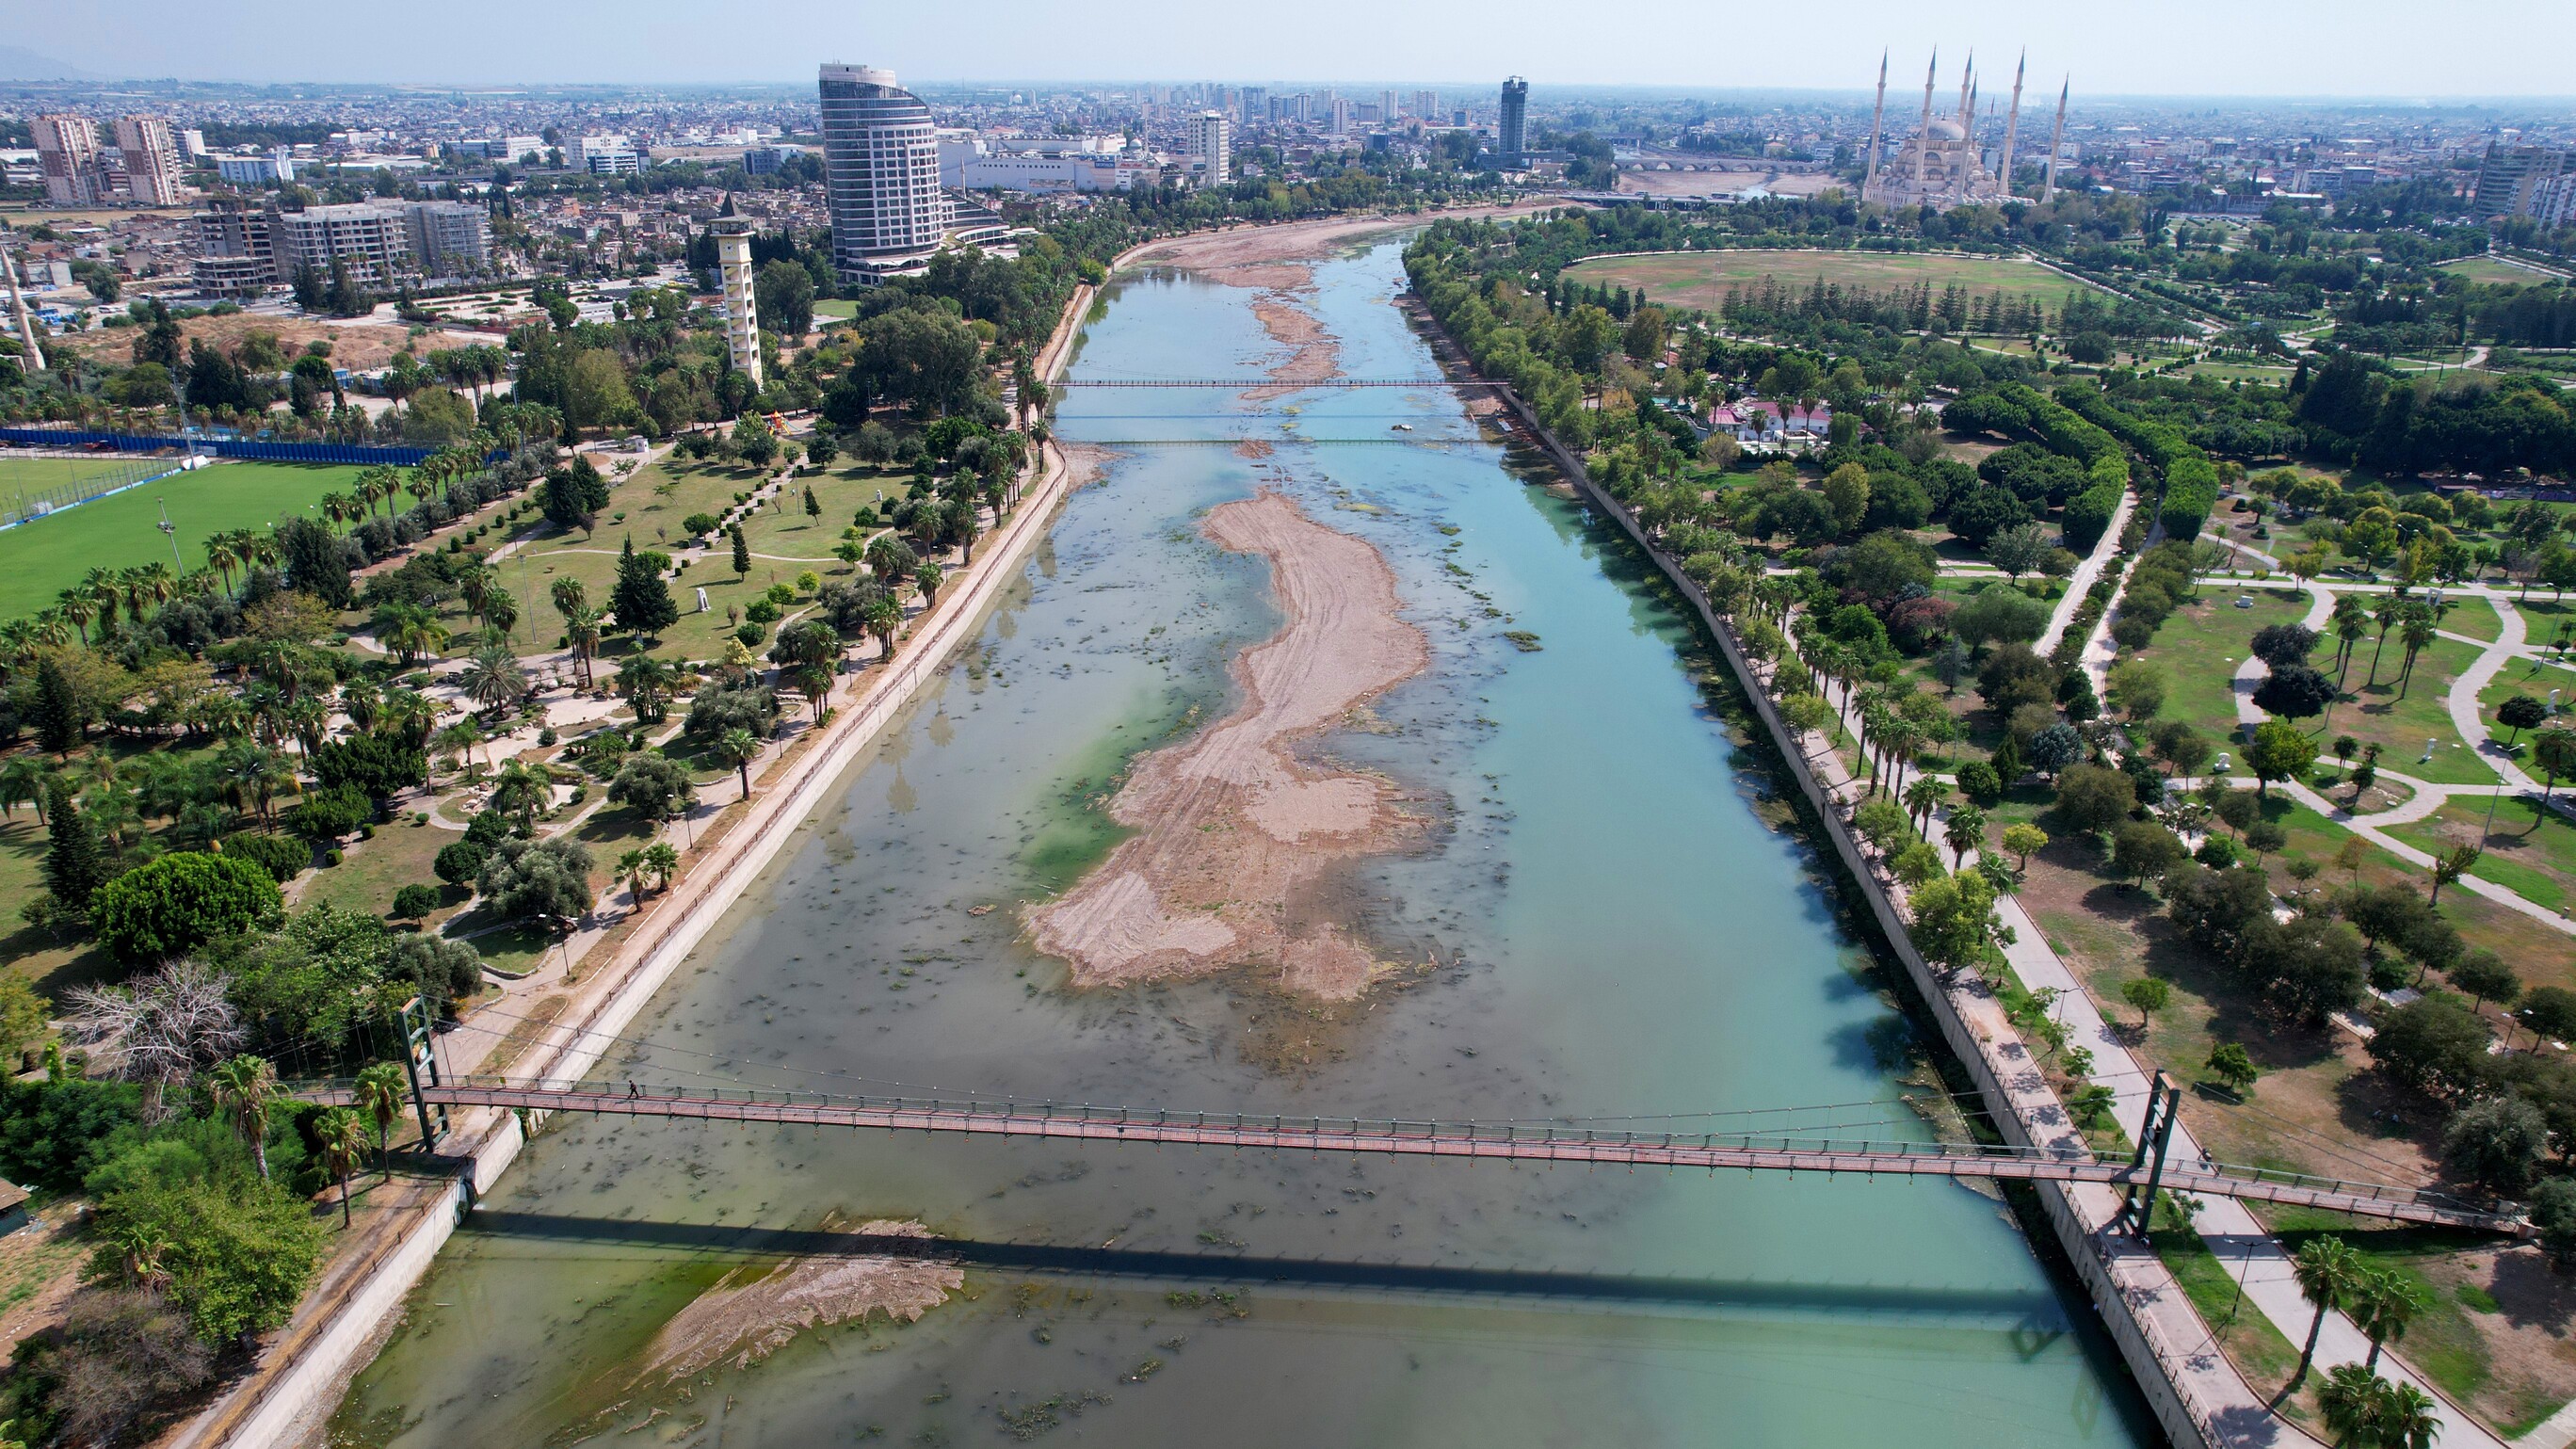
1923,797
343,1135
456,741
407,715
2404,1417
494,679
1963,831
2328,1270
2419,632
521,791
738,748
245,1087
634,869
883,617
646,682
664,861
22,779
2385,613
2348,1398
253,775
2384,1305
381,1091
410,630
78,607
223,555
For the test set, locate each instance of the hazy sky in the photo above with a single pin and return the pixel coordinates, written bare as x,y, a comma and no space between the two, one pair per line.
2400,48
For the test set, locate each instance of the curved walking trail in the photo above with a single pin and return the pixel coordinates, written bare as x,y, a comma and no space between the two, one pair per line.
1234,824
2511,643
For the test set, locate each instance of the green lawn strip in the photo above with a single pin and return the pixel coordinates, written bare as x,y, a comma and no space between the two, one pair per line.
2259,1350
2474,617
40,559
2441,1343
2199,647
370,871
2532,677
2539,952
2401,724
2526,851
1700,279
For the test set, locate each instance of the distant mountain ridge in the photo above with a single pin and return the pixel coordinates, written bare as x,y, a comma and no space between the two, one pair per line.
18,63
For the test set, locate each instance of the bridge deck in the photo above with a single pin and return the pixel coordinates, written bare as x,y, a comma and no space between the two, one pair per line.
1500,1142
1245,383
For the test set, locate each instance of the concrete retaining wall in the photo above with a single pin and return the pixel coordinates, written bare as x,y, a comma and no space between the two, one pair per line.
2150,1362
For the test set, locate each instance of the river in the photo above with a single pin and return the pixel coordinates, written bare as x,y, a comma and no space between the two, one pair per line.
1600,922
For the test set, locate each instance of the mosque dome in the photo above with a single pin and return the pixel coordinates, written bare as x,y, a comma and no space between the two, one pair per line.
1945,131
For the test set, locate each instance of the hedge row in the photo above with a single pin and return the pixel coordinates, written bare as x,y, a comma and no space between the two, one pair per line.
2191,491
2058,426
2088,513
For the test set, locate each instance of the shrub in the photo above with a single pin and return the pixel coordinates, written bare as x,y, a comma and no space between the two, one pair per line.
280,856
175,904
414,901
2092,798
326,815
2000,613
528,881
2496,1143
460,862
1979,782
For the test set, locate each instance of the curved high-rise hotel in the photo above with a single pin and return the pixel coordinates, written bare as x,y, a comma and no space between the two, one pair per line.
881,167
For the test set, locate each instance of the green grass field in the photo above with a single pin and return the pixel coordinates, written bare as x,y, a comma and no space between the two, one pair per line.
41,558
1700,279
2494,271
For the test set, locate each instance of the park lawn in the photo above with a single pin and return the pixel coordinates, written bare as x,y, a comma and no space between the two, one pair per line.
370,871
2531,677
2473,617
2528,851
51,966
2401,724
2257,1348
2541,954
835,309
2233,371
2441,1342
2493,271
2199,647
40,559
1700,279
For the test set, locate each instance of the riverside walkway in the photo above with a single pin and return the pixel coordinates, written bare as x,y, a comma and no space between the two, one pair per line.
1547,1143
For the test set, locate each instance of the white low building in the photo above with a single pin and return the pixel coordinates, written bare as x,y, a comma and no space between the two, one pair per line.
1046,173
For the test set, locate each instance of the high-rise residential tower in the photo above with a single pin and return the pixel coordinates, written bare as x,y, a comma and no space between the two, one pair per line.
1211,149
1510,141
151,160
742,315
67,152
881,169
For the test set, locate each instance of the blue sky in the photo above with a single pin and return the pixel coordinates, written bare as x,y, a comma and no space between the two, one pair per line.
2426,48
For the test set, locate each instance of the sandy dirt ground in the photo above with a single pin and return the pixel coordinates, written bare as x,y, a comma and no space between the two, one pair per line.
1235,827
1275,257
1313,355
746,1318
358,346
1724,183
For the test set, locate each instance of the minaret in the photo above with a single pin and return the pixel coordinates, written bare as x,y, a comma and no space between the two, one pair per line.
1877,115
1967,79
2056,137
1923,128
2012,131
33,360
1967,145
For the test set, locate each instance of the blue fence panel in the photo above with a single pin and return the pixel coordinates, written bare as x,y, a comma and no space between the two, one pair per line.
360,455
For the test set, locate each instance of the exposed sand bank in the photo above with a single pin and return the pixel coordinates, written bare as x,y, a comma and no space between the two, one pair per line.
748,1318
1235,826
1313,355
1273,258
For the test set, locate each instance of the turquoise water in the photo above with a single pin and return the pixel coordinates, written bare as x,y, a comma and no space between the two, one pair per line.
1601,924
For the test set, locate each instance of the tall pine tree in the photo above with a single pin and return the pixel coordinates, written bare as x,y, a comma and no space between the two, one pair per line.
642,602
741,553
58,720
75,866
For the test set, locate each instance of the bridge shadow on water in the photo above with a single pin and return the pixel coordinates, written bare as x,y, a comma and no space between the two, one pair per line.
2033,1317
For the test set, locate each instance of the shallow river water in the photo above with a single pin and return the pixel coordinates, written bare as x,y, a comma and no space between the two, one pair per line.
1601,925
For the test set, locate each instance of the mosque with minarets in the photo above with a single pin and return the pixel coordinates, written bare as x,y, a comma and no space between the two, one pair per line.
1942,164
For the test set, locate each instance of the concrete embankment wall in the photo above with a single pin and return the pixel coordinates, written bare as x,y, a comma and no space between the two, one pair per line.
2153,1366
291,1405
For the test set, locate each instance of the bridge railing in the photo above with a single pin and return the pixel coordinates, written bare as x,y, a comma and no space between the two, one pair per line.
585,1094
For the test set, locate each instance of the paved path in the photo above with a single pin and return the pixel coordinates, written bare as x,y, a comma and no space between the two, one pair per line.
2428,797
2080,582
2249,1252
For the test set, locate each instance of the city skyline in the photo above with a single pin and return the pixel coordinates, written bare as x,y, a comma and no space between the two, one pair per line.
2193,49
